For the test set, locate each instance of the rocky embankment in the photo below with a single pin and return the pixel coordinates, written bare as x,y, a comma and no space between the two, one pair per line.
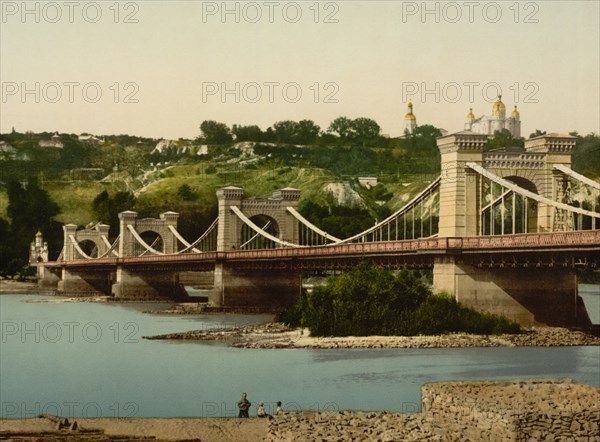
352,426
277,335
532,410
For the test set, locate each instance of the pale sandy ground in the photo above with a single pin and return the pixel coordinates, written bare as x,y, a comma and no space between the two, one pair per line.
199,429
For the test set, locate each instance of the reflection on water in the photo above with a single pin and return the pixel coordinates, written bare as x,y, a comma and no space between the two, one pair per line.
85,359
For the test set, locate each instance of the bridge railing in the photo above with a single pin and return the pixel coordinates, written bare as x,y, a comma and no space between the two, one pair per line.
425,245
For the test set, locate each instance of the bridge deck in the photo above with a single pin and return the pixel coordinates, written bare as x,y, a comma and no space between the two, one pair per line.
424,249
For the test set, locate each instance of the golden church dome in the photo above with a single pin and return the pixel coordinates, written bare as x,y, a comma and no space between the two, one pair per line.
498,106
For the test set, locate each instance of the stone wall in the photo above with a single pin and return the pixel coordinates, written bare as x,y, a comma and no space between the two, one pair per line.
534,410
514,410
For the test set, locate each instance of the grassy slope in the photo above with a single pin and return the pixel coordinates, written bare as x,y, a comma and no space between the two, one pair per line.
159,189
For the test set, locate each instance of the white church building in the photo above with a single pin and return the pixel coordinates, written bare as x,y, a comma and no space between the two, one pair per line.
489,124
485,125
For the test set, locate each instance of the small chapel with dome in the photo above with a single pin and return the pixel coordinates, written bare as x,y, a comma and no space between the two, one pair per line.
410,120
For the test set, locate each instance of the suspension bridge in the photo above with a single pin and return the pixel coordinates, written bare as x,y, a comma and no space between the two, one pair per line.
503,230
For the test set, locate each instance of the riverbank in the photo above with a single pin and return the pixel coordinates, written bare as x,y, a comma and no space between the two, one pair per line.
466,411
278,335
138,429
9,286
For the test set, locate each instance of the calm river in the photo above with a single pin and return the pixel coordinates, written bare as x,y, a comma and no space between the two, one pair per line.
82,359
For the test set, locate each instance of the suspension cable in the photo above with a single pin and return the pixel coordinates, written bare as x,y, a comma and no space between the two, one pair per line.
504,183
567,171
258,230
255,235
142,242
408,206
311,226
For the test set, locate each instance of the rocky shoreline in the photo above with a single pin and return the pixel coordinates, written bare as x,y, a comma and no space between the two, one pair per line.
278,335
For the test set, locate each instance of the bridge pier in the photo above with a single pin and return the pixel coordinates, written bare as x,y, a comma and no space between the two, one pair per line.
546,296
47,279
271,288
84,282
149,284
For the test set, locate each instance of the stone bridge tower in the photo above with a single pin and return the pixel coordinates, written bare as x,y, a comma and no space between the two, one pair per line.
140,283
238,285
531,167
94,235
275,208
128,219
82,281
544,295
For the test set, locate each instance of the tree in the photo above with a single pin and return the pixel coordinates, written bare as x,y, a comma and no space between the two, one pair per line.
269,135
185,192
286,131
586,155
423,138
106,209
247,133
307,132
503,138
101,207
342,126
365,131
214,132
7,248
368,300
537,133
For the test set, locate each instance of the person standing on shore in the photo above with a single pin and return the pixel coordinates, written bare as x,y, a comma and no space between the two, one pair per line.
244,406
279,409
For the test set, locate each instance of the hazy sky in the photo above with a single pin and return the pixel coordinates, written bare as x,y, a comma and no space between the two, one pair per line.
159,68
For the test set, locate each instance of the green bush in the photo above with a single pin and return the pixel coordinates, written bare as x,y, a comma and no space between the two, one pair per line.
368,300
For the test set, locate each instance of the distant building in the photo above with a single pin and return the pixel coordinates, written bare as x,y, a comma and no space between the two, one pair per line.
368,181
7,149
8,152
489,124
90,139
54,142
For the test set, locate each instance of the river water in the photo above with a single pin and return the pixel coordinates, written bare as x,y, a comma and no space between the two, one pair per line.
88,360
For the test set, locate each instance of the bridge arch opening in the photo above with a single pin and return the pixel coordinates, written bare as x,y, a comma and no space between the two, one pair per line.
507,212
89,247
153,239
249,239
